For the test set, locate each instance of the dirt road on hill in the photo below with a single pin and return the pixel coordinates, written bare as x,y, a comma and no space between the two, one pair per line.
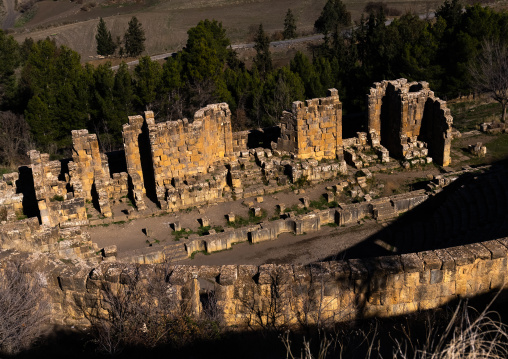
237,47
10,16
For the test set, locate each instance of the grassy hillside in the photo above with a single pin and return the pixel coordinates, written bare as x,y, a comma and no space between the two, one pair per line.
167,21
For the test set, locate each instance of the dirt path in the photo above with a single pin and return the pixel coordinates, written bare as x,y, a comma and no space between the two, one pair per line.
291,249
10,16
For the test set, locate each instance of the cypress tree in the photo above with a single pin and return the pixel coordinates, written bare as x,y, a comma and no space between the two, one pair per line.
289,25
134,38
105,44
333,17
263,59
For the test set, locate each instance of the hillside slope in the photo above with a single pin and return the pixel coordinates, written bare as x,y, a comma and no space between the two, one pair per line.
166,22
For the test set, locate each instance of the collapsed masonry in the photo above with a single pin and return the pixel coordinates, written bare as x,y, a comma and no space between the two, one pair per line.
179,164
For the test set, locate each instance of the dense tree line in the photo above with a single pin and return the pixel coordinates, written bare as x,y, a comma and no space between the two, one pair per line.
47,84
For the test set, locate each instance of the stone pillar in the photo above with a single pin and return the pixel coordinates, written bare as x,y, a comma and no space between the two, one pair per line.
92,170
130,133
374,103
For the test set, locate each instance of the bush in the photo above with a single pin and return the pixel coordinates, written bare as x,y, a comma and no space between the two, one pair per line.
24,309
146,313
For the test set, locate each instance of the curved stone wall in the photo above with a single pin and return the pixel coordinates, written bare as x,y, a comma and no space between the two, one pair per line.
249,295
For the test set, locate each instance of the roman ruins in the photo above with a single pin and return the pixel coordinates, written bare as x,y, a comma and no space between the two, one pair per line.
170,166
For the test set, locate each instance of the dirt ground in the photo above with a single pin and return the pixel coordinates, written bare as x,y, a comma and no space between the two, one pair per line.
287,248
291,249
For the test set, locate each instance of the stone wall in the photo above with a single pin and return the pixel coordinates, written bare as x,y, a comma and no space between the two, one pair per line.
240,140
90,175
436,130
183,149
57,205
313,131
131,133
29,236
409,120
11,202
248,295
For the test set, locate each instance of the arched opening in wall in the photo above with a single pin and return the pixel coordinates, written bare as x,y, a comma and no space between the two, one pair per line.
117,162
95,198
416,87
145,153
390,118
263,137
25,185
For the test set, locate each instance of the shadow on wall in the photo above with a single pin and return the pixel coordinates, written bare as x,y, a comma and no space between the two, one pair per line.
473,208
25,185
353,339
145,154
117,162
352,123
263,137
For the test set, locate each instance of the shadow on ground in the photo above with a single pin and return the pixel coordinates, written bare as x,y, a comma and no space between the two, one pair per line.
473,208
367,338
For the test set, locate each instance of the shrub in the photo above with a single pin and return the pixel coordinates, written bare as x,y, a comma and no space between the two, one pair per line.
146,313
24,309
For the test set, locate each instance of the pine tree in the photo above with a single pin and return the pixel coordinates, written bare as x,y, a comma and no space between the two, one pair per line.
289,25
333,17
263,59
105,44
148,79
134,38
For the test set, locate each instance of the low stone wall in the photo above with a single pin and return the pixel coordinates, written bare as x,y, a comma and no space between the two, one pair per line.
57,205
384,208
68,243
248,295
119,186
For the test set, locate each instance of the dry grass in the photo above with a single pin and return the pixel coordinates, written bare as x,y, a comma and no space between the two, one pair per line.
166,22
466,334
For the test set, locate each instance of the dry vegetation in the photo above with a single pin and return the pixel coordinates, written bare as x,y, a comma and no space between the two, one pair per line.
24,309
166,22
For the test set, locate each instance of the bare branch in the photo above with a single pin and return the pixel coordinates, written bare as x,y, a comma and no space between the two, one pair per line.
15,139
24,309
489,73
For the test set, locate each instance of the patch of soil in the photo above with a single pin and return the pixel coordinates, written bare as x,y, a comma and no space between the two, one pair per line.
53,11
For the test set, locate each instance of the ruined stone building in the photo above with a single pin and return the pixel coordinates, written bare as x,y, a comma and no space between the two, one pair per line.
409,121
174,165
178,164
